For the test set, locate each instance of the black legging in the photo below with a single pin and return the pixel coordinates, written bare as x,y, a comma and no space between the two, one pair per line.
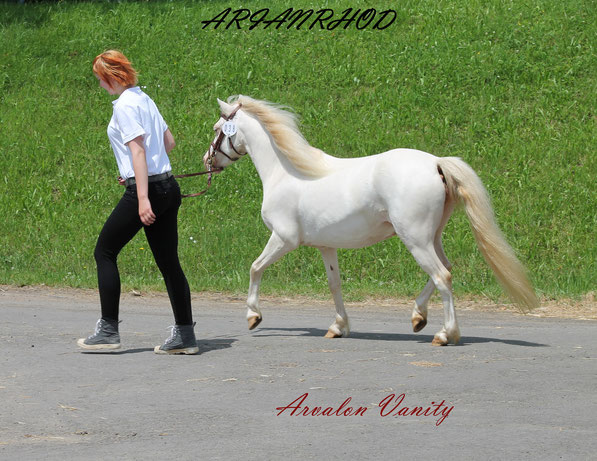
162,236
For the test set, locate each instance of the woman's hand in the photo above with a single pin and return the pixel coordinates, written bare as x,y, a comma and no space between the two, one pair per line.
140,167
145,212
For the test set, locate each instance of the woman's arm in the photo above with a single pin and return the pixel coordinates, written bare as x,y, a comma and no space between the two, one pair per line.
169,143
140,167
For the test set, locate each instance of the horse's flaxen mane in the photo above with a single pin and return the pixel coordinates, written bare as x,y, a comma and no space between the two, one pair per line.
282,126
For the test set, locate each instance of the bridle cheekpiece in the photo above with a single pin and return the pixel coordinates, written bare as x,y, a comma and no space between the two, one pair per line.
216,146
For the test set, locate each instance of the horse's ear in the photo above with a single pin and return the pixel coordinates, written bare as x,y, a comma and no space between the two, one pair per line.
225,108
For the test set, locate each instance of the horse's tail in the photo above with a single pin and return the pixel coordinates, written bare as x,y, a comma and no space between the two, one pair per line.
463,185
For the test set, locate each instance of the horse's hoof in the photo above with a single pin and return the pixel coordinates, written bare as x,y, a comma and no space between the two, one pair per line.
331,334
437,341
418,323
253,322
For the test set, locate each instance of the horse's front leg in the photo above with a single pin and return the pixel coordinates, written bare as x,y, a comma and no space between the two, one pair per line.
340,328
274,250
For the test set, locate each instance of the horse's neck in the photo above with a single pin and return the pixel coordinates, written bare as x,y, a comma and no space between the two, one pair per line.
270,163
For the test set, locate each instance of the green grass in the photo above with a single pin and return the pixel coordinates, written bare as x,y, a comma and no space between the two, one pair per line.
507,85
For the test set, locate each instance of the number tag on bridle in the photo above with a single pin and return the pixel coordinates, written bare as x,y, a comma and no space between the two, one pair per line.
229,128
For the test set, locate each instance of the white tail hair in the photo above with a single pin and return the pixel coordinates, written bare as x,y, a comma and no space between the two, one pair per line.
465,186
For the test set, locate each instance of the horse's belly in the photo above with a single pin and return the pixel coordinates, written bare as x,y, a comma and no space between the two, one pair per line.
354,232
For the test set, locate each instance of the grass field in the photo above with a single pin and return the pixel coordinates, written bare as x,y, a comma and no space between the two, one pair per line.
508,86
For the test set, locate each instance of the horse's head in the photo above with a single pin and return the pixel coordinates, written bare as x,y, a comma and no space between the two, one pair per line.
228,145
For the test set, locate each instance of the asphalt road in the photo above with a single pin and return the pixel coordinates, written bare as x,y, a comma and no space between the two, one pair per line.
516,388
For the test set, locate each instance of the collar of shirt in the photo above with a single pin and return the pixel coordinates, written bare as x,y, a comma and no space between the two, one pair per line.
134,89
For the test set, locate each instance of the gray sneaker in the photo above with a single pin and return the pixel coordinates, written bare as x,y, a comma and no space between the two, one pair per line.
181,341
106,336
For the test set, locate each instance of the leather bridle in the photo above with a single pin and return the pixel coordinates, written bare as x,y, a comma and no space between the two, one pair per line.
216,146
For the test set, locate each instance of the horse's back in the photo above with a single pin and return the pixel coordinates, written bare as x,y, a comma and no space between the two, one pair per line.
367,198
407,160
405,174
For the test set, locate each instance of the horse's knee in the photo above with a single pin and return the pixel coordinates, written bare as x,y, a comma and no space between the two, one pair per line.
254,270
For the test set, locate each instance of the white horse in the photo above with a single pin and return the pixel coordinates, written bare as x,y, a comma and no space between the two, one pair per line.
313,199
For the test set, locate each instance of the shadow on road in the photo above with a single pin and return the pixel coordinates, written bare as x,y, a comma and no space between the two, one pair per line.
464,341
205,346
208,345
118,351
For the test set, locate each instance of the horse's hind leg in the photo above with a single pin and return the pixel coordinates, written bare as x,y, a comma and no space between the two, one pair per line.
340,328
419,315
273,251
423,239
428,259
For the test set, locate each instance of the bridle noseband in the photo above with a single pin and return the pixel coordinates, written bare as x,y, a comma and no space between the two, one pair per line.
216,146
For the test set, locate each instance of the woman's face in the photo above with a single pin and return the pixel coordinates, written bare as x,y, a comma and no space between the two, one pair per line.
105,85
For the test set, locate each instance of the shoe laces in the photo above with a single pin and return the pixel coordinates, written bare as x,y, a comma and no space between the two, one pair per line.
173,334
98,327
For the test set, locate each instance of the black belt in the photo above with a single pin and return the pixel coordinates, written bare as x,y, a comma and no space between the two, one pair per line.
152,178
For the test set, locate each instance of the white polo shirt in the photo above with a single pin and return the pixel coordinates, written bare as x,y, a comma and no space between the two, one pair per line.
135,114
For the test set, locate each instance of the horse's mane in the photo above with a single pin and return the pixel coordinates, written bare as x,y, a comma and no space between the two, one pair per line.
282,126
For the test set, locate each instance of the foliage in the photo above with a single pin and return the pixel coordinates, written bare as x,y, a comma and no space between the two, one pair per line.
508,86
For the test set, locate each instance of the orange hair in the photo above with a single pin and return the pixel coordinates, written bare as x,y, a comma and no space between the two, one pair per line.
113,66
